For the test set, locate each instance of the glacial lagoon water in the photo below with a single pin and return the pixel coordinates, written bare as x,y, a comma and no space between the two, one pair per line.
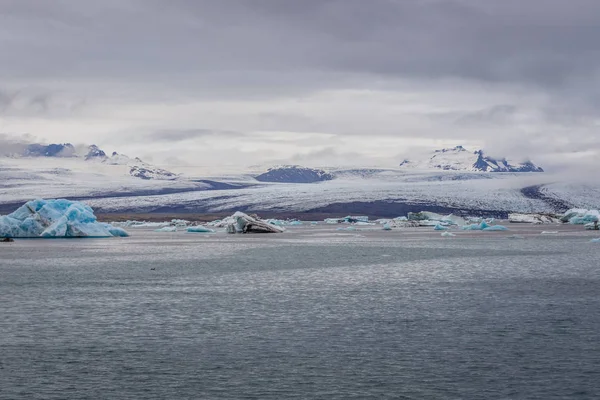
309,314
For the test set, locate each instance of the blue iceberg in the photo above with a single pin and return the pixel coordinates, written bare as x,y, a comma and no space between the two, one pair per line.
439,227
55,219
496,228
476,227
199,229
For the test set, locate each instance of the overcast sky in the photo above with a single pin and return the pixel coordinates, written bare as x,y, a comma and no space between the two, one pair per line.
315,82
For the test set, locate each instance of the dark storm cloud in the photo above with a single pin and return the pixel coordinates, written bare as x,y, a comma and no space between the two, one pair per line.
258,43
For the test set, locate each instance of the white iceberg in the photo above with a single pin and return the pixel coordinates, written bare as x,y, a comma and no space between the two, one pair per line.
448,234
387,227
580,216
55,218
243,223
167,229
595,240
533,218
495,228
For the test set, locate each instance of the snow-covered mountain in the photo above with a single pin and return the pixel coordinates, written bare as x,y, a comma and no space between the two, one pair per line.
50,150
294,174
460,159
452,183
136,167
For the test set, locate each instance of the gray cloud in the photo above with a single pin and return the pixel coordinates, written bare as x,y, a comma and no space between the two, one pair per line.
545,42
519,76
180,135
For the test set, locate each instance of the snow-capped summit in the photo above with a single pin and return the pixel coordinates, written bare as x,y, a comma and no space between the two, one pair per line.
294,174
50,150
460,159
95,152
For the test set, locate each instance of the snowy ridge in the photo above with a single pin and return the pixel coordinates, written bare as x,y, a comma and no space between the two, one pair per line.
460,159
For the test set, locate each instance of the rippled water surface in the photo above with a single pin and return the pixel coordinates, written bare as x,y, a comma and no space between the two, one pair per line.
312,314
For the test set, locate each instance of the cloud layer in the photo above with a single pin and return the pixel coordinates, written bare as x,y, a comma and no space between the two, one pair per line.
314,80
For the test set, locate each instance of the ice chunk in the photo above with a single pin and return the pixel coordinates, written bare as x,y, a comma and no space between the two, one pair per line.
55,218
585,218
476,227
243,223
448,234
387,227
549,232
167,229
496,228
439,227
296,223
533,218
573,212
452,219
199,229
595,240
278,222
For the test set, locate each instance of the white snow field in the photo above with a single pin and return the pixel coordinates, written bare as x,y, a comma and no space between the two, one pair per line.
111,188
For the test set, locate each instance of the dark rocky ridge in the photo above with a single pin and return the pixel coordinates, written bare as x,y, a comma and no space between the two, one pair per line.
294,174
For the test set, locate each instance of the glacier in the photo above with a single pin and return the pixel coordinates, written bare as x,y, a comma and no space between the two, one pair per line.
56,219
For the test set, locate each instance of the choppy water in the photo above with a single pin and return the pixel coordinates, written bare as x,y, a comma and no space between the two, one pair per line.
301,315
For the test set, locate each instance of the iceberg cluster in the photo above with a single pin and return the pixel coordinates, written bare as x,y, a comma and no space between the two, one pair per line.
484,226
55,219
579,216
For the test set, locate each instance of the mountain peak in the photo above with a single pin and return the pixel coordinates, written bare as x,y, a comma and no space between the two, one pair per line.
50,150
460,159
94,152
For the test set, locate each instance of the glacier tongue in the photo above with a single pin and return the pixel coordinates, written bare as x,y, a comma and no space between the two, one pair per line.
55,218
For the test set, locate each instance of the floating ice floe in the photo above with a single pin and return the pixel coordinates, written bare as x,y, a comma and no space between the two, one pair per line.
167,229
448,234
348,228
595,240
495,228
243,223
426,218
387,227
549,232
476,227
592,226
533,218
199,229
55,218
439,227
